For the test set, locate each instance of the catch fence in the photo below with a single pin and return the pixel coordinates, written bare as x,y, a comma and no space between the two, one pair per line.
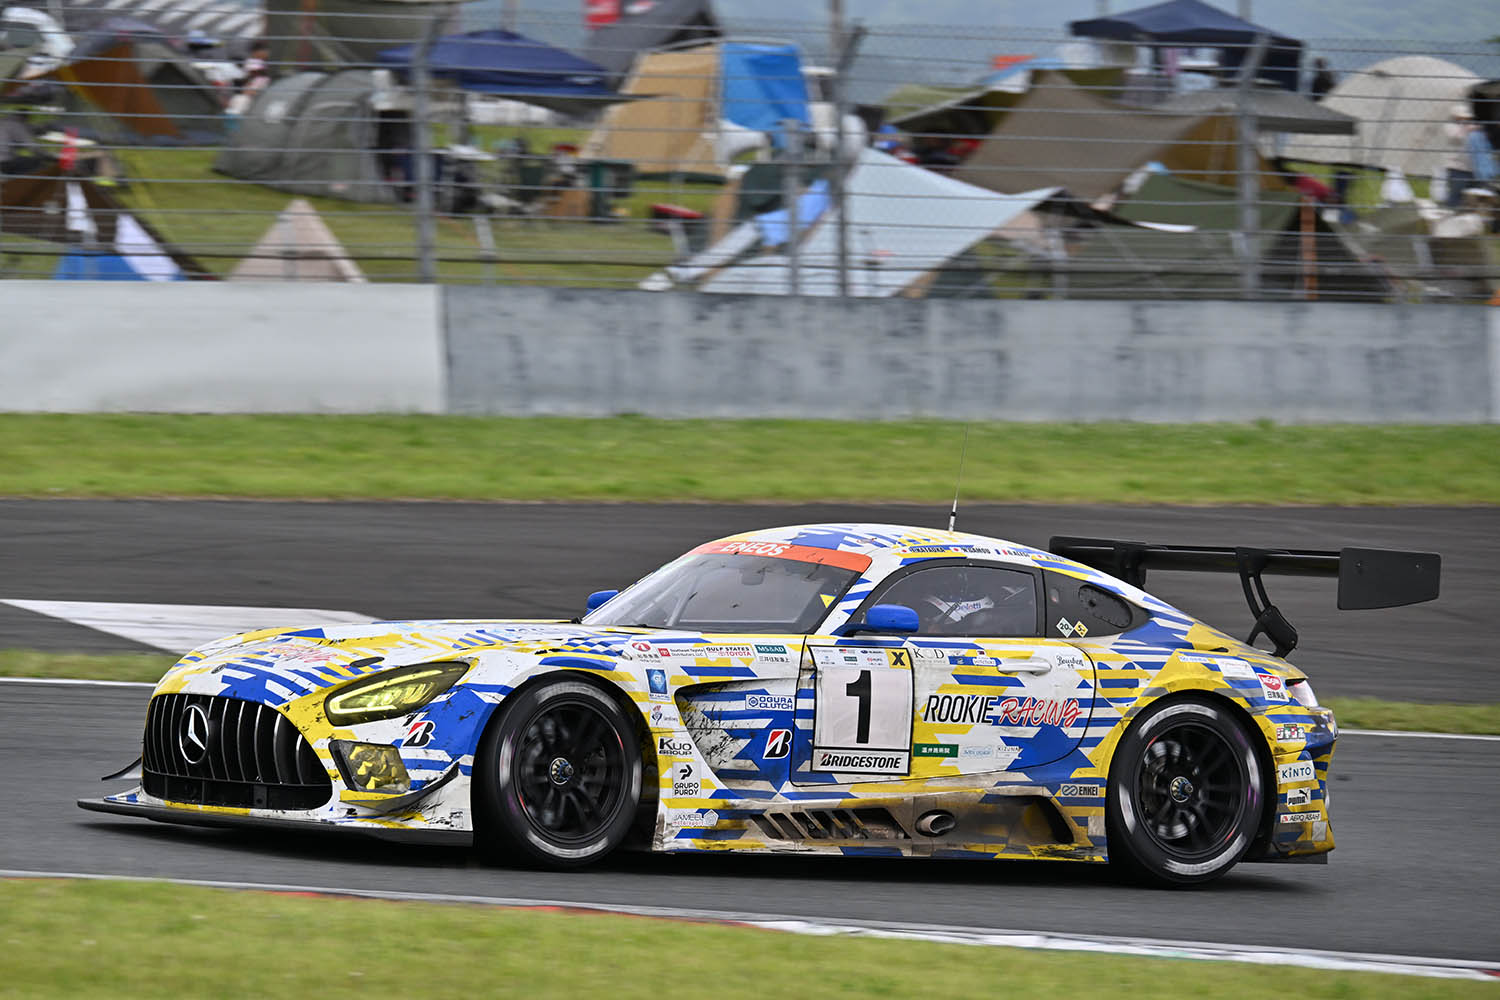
814,158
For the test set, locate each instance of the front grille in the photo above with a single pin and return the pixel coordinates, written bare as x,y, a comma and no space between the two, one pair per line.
253,756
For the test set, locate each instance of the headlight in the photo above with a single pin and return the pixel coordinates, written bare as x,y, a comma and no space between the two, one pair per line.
391,693
1302,694
371,767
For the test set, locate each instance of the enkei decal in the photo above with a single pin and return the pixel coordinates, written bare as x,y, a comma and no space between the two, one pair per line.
1085,791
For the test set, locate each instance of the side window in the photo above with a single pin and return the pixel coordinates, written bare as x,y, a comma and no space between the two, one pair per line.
967,600
1078,610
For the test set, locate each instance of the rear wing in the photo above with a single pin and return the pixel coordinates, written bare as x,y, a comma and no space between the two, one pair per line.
1368,578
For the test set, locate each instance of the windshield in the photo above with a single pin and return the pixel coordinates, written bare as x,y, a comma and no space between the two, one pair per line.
734,592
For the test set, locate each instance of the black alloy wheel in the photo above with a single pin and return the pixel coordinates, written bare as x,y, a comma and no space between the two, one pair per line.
1186,792
559,776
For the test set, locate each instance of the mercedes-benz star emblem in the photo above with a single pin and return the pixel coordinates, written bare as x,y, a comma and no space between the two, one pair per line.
192,738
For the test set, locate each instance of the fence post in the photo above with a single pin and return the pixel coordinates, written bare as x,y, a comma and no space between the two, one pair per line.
844,54
421,85
1247,174
791,192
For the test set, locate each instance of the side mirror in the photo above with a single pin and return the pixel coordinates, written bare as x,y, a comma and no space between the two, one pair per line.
891,618
597,599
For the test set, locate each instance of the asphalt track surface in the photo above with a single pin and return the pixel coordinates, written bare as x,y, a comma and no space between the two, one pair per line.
1417,820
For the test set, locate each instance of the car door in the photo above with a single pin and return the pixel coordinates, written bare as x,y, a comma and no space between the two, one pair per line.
988,692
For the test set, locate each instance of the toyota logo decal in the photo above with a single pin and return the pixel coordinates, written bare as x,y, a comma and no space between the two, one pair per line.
192,737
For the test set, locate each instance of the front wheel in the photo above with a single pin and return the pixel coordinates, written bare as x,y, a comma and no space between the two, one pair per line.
1185,793
557,777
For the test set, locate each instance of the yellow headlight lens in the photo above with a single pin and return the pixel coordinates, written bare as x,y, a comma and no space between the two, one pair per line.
372,767
391,693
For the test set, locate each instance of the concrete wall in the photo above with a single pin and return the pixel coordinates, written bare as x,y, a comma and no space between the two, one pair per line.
589,352
220,347
228,347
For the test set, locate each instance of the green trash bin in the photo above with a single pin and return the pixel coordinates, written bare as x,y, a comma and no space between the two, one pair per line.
609,181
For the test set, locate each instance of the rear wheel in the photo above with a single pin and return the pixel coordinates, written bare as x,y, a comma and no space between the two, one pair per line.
1185,793
558,777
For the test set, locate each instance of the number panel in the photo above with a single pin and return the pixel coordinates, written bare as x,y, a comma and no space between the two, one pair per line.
862,710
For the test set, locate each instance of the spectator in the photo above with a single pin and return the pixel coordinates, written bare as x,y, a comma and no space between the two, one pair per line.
1323,79
1470,157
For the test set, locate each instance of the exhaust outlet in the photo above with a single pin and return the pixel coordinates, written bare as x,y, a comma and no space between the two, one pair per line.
936,823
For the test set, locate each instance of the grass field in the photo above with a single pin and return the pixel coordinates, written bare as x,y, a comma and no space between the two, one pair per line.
1352,713
638,459
144,939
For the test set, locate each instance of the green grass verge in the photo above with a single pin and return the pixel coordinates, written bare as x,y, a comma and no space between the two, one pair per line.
1352,713
638,459
143,939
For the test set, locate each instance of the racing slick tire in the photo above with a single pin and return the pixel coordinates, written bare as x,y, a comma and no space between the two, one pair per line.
557,777
1186,793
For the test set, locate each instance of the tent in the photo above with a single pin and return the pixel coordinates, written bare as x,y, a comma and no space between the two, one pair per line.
317,134
125,82
1061,134
506,64
1402,105
1194,24
649,24
700,106
298,246
329,35
1176,238
904,223
1274,110
102,235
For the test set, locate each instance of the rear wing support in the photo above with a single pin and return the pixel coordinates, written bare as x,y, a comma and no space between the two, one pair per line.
1368,578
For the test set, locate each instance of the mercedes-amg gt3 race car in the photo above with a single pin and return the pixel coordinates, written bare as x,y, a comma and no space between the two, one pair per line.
855,689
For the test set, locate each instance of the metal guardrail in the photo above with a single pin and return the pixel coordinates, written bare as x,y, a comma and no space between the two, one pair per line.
1000,164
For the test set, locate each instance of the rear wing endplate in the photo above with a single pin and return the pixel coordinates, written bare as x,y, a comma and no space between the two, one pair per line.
1368,578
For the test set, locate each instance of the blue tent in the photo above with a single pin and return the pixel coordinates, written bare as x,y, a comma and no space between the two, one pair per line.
1194,24
510,65
762,86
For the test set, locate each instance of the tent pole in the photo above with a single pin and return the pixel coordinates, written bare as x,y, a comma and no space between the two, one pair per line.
844,52
1248,174
791,191
422,84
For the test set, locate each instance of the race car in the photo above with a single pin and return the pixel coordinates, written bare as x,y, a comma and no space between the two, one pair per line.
846,689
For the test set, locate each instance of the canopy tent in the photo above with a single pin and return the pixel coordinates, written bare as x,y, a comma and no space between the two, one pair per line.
103,237
1402,105
298,246
125,82
506,64
699,106
1179,238
314,133
1060,134
904,223
1194,24
650,24
1274,110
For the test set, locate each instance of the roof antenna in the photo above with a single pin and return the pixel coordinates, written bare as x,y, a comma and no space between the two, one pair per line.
953,514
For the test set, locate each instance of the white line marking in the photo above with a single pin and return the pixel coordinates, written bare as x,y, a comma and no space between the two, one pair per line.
74,682
178,628
1410,965
1419,735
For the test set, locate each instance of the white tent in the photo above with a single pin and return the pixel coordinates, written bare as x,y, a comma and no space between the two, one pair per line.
904,222
1402,105
299,246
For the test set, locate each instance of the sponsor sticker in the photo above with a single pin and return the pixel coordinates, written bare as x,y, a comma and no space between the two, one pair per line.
935,749
641,646
770,703
1310,816
664,717
929,653
1298,797
1080,791
657,681
862,761
998,711
770,649
778,744
1291,774
1272,687
419,734
684,783
673,746
1070,629
975,751
1288,732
